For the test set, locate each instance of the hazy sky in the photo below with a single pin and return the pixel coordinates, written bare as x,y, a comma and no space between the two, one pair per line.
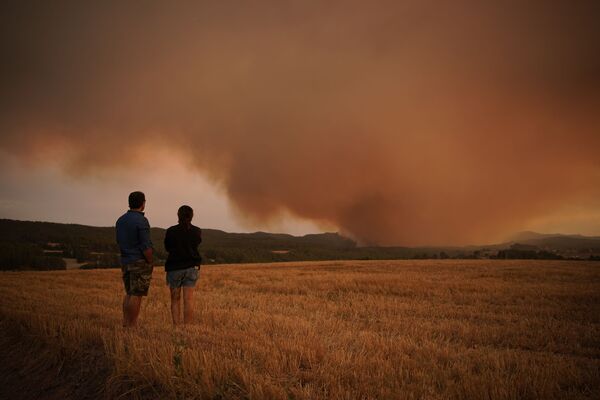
47,194
395,122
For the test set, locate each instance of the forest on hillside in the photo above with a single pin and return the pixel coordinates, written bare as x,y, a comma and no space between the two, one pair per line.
45,245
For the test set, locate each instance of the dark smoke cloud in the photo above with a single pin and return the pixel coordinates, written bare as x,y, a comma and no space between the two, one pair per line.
400,122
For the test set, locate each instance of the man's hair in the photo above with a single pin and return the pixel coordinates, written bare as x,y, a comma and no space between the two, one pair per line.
185,215
136,199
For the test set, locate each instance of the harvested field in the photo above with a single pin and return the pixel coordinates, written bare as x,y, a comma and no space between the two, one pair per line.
448,329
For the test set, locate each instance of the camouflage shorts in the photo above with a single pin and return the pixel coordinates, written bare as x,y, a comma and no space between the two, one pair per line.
137,277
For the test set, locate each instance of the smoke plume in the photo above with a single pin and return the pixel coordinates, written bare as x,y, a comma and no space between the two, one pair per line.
400,122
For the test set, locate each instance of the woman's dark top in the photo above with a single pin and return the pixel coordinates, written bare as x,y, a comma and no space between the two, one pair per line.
181,242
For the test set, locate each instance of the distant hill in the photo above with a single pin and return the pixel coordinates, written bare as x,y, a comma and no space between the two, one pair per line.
529,235
47,245
96,245
558,241
50,232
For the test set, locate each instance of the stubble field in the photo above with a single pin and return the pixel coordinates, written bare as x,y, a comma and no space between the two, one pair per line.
428,329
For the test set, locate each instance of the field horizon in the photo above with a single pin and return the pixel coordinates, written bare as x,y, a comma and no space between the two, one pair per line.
26,245
401,329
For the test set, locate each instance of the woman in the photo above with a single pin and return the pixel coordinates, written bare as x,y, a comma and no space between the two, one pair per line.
183,264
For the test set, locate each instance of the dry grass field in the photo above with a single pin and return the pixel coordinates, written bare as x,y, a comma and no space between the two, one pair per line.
428,329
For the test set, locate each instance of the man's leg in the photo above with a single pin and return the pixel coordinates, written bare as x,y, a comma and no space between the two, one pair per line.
188,305
175,305
131,310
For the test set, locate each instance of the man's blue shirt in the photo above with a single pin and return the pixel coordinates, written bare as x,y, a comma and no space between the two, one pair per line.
133,236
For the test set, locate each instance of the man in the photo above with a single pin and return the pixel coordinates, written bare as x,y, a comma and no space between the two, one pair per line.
183,264
133,237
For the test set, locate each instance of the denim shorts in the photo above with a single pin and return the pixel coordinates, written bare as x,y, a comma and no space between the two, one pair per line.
182,277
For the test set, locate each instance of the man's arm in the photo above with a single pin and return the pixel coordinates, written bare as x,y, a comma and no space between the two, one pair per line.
148,255
117,232
145,241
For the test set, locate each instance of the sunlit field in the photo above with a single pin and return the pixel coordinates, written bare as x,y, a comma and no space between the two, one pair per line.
427,329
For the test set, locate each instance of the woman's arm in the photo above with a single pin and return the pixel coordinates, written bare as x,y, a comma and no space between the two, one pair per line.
168,241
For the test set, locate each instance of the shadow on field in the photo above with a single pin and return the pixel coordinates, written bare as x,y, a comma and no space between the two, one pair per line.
34,366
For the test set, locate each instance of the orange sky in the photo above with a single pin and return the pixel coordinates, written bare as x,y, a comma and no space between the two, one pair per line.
398,122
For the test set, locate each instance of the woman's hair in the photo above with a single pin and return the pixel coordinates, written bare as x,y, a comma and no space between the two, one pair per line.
185,215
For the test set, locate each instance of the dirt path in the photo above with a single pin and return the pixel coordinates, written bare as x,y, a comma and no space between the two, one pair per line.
72,263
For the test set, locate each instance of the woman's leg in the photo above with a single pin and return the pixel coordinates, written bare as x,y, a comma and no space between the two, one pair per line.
188,305
176,305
